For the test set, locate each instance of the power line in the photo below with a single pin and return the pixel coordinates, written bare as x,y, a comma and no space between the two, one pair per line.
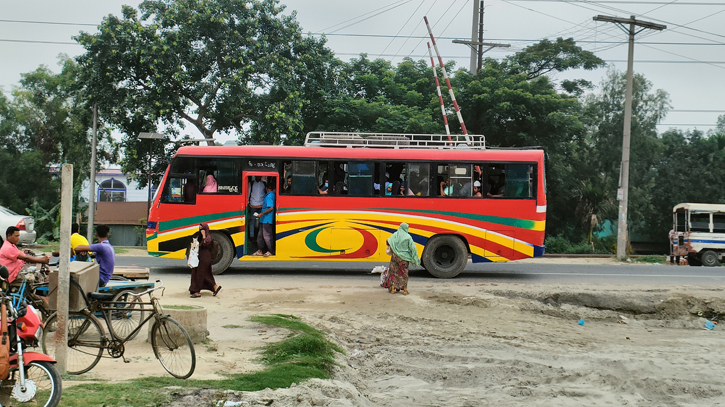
360,16
39,42
402,26
626,2
45,22
374,15
687,124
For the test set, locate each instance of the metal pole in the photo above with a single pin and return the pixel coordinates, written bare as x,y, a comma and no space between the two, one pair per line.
480,39
474,35
66,214
622,226
150,182
440,95
448,82
92,198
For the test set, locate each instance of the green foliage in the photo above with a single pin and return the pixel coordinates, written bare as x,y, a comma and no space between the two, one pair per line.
216,65
652,259
561,245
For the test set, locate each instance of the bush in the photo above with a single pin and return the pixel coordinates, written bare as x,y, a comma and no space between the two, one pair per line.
561,245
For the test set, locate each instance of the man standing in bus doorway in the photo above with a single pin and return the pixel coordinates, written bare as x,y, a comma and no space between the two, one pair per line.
266,218
256,197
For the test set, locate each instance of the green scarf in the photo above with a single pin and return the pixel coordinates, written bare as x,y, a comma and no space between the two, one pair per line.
402,245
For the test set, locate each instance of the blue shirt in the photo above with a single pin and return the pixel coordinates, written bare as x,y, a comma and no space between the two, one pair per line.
106,258
268,203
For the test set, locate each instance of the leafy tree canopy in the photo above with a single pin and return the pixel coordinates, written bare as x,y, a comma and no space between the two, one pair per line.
214,64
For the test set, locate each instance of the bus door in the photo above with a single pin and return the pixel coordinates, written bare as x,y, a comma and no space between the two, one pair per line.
254,184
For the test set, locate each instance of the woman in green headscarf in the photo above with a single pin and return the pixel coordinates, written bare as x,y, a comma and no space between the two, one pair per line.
402,253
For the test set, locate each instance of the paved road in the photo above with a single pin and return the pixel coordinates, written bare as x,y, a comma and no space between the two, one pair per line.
513,272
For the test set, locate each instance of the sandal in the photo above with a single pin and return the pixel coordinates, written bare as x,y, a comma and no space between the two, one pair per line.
391,290
405,292
268,254
257,253
218,288
195,295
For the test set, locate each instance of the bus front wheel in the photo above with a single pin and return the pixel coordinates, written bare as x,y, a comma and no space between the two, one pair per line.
223,259
709,258
445,256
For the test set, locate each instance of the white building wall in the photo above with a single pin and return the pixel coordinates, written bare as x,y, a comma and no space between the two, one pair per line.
133,194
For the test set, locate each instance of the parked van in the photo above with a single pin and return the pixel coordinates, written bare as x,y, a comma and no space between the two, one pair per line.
698,232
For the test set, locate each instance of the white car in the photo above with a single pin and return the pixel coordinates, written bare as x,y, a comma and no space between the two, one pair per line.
26,224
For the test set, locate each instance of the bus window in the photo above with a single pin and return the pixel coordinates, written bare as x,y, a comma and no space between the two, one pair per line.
417,180
718,222
508,180
461,180
286,174
680,219
303,178
218,176
360,178
699,222
519,181
340,178
181,184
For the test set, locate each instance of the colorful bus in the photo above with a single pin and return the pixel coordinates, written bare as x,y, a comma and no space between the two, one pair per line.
341,195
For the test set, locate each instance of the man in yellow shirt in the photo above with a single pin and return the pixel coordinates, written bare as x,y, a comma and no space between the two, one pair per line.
77,240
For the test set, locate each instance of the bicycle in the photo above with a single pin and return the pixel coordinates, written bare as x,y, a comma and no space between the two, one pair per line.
87,339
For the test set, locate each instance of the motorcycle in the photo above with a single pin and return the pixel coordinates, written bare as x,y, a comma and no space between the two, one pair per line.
33,379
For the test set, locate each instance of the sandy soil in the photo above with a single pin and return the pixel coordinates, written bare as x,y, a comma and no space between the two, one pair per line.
455,344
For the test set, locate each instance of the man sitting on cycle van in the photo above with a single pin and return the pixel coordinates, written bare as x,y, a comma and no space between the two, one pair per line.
105,255
13,258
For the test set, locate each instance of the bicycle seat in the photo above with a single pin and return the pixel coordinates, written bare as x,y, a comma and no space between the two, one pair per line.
100,296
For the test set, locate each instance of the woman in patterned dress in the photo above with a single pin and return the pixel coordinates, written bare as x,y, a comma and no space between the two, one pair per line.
403,252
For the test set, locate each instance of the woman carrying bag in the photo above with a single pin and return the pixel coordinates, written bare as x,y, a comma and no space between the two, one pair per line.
201,276
402,253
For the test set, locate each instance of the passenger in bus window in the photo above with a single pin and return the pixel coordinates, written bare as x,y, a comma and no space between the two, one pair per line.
396,188
210,186
288,185
477,189
446,188
388,188
324,188
190,191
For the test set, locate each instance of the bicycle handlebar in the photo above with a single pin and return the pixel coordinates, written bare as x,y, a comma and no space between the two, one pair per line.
150,290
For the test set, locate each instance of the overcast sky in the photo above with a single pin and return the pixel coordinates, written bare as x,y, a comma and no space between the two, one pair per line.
687,60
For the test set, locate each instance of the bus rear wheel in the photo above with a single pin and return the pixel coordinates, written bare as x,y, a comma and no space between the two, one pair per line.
445,256
224,257
709,258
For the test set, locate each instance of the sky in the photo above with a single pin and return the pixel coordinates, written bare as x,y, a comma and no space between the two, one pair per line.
687,60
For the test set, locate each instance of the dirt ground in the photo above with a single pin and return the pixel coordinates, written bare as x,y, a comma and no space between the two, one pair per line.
462,344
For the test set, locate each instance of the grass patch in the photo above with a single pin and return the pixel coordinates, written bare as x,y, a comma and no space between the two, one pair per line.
652,258
181,307
120,250
232,326
305,354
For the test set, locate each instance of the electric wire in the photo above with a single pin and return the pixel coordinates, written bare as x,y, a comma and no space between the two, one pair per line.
372,16
402,27
360,16
434,24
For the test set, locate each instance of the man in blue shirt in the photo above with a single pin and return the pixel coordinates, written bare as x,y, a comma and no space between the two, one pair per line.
266,220
105,255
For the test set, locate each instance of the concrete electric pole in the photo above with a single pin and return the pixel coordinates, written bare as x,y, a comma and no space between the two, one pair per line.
476,43
622,231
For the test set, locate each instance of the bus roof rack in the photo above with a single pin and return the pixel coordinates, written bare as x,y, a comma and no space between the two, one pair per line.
394,140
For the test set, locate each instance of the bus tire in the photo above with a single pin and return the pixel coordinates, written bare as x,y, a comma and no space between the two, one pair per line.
445,256
226,253
692,260
709,258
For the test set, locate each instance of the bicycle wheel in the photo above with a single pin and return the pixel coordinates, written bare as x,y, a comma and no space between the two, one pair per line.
173,347
127,316
46,387
85,341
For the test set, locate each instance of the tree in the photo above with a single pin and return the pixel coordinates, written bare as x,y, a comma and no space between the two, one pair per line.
599,160
218,65
46,124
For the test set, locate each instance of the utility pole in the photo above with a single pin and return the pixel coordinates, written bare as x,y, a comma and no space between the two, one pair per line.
476,43
92,197
622,23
